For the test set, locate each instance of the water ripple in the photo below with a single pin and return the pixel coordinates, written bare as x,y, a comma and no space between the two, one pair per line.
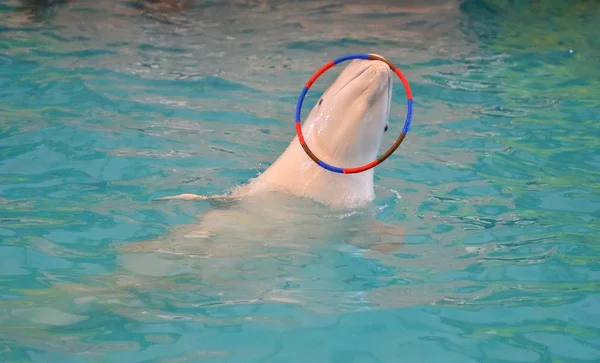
495,191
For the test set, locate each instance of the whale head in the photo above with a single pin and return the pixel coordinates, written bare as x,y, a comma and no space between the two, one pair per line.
345,129
346,126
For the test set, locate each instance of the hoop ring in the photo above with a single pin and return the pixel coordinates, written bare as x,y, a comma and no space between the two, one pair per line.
390,151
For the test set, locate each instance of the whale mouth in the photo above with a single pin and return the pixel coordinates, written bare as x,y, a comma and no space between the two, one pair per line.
355,76
389,93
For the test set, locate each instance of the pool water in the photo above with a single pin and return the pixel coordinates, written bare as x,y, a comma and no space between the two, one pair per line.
106,106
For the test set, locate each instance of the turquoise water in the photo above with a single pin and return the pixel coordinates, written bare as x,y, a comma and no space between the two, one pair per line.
105,106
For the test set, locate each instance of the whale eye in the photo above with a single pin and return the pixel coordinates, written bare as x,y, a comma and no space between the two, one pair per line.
385,128
320,101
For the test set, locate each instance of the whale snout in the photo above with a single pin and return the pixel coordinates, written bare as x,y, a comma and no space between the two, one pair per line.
376,75
364,74
380,68
375,68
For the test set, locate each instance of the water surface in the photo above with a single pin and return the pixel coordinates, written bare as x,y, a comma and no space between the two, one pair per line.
106,105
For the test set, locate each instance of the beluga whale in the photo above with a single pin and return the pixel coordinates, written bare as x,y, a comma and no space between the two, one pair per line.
296,224
297,204
344,128
295,200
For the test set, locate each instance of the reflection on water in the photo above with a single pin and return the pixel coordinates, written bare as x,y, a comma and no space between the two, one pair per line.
494,194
